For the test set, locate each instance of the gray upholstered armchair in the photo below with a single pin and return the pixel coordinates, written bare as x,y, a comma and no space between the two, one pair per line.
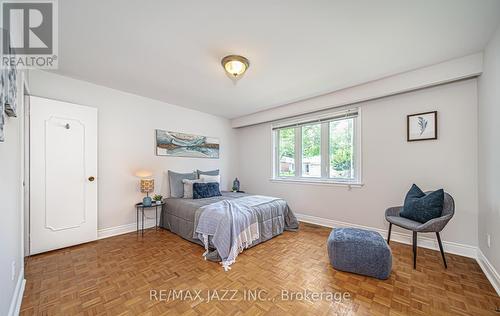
434,225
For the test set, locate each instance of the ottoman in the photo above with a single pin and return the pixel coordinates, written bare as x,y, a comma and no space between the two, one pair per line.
360,251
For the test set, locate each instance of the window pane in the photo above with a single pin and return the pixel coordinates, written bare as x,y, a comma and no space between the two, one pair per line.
286,152
341,149
311,150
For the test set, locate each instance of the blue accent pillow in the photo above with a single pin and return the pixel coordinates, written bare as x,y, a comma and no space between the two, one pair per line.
421,207
205,190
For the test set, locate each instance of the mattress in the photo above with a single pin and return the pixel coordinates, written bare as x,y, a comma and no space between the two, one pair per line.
178,216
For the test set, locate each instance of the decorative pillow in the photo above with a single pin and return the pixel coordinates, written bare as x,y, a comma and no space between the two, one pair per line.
422,207
208,173
175,182
207,178
188,187
205,190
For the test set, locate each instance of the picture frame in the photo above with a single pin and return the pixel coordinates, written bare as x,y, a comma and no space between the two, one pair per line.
2,123
177,144
10,91
422,126
3,86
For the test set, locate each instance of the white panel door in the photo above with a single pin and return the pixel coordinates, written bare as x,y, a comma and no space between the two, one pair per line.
63,174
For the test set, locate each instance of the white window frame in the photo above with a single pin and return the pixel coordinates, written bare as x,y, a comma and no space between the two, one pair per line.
356,181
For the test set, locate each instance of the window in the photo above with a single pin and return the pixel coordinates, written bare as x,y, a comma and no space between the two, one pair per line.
320,148
341,149
286,152
311,150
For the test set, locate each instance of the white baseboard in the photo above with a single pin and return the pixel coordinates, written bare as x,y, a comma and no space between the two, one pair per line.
424,242
489,270
123,229
17,297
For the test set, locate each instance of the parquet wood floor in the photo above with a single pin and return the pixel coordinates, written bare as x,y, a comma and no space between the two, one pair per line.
114,276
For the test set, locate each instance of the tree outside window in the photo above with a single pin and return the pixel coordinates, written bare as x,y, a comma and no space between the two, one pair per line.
324,150
341,149
286,152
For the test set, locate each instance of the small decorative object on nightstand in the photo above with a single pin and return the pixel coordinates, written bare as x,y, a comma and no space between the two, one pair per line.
158,198
147,186
236,185
139,207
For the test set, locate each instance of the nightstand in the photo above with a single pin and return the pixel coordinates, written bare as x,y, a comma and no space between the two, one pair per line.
140,208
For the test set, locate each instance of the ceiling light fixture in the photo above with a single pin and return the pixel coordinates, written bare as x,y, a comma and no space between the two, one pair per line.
235,66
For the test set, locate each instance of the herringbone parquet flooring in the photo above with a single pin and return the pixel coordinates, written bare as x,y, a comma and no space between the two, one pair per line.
119,276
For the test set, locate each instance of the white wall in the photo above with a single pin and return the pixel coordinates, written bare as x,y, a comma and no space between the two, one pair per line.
390,163
11,242
489,153
127,143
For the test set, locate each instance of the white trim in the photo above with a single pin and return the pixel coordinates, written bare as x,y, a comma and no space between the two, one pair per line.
17,297
489,270
317,117
298,153
424,242
123,229
312,181
26,169
358,146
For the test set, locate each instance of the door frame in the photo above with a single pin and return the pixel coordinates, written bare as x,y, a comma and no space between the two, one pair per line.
26,170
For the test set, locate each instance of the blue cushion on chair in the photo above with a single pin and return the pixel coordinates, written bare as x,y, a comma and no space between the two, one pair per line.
205,190
421,207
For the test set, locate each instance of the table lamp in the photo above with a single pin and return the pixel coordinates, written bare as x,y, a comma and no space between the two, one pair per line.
147,186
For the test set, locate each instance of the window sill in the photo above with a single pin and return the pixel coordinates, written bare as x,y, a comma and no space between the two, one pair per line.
318,182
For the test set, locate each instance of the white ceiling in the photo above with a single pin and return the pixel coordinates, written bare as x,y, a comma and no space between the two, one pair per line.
171,50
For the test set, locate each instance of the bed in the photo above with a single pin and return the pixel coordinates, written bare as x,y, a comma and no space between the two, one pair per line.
181,216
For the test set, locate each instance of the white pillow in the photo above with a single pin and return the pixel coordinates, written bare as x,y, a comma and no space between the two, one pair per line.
206,178
188,187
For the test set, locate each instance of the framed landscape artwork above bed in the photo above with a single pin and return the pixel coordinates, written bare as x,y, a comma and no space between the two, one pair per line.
186,145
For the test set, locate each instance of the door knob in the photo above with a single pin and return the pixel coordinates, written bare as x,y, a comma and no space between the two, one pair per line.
91,178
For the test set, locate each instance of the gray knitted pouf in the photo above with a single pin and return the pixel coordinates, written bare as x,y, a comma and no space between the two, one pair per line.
360,251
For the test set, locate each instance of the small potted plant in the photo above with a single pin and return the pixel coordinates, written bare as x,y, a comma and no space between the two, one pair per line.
157,198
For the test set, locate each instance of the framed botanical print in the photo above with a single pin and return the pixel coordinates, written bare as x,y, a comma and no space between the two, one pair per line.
422,126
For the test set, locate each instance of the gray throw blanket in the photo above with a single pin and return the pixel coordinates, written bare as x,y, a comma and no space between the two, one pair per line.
232,226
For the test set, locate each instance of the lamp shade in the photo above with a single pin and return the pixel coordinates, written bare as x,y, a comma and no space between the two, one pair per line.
143,174
147,185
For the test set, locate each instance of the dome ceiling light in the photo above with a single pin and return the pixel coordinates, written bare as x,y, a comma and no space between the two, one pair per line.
235,66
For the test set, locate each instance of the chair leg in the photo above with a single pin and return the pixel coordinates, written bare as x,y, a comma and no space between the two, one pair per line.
414,250
389,234
441,248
